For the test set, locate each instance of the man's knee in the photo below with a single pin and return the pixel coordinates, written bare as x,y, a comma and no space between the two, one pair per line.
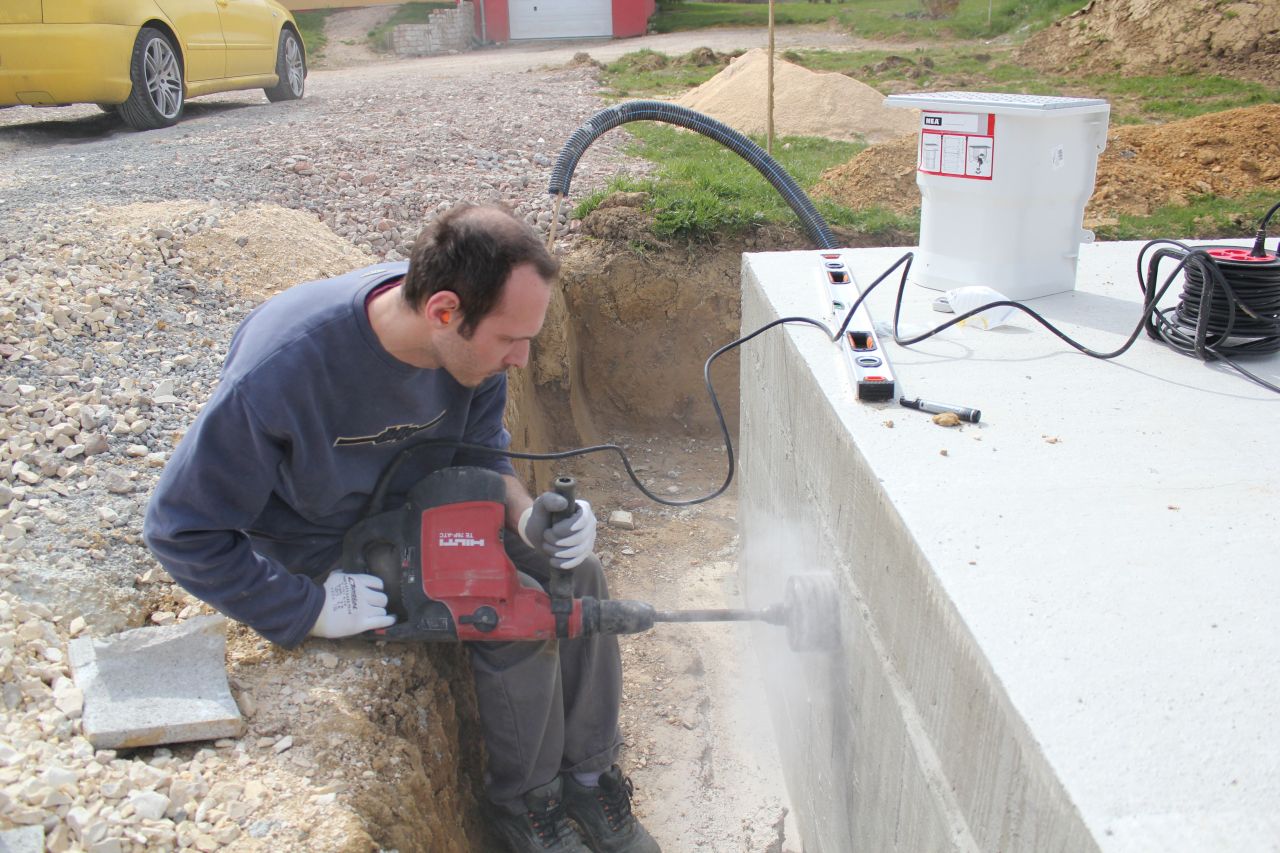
588,578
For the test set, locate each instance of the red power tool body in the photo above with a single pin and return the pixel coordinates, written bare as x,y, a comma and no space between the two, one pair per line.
447,576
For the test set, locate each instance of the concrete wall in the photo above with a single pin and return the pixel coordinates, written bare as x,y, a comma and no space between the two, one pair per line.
902,741
446,30
1034,655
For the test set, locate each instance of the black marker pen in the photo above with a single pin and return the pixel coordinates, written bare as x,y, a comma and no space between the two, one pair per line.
970,415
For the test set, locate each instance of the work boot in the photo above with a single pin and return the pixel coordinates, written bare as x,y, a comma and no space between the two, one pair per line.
541,827
604,815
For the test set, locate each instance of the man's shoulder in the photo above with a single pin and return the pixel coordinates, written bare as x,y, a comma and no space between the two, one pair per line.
301,322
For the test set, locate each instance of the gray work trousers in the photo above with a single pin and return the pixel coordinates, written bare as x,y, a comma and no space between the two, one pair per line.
547,707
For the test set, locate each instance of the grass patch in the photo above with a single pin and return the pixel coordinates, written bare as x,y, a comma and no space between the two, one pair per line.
646,73
882,19
703,188
417,12
311,28
1204,217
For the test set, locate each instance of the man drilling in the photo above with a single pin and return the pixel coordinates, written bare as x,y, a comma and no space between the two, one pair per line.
322,388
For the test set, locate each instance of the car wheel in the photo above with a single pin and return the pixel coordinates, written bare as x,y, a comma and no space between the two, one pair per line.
158,94
291,66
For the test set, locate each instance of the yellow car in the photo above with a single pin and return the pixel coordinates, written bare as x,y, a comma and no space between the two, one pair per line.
144,58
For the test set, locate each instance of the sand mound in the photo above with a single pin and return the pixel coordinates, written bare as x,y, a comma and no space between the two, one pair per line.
1239,39
806,103
1144,167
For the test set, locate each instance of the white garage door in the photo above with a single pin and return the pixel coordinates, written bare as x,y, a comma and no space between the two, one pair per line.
560,19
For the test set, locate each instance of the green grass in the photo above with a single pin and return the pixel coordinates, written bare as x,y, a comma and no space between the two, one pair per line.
646,73
311,28
409,13
1203,217
702,188
871,18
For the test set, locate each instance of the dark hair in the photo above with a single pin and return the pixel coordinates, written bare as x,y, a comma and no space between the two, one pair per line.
471,250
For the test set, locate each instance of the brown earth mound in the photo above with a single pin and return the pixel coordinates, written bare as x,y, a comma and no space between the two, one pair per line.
806,103
883,175
1238,39
1227,154
1144,166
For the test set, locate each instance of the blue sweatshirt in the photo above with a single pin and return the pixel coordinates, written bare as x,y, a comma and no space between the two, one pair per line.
279,464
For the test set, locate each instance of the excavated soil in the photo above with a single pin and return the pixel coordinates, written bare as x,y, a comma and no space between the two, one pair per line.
1238,39
1227,154
1143,167
883,175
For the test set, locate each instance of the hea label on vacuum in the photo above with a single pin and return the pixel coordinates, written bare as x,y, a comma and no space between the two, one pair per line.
958,145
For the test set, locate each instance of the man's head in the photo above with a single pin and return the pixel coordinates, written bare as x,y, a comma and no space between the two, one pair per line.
480,279
471,251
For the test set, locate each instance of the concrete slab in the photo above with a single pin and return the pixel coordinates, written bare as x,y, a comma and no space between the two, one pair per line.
156,685
1059,623
27,839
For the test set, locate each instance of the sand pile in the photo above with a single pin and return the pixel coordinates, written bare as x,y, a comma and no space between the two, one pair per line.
1228,154
806,103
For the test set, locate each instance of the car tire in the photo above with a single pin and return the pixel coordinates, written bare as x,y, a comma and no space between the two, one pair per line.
291,67
158,94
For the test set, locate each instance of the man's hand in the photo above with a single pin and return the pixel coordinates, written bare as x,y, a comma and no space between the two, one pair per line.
568,542
353,604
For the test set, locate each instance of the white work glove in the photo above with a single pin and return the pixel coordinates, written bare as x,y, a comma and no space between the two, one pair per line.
568,542
353,604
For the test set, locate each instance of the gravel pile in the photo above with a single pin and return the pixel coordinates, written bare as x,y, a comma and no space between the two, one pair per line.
126,263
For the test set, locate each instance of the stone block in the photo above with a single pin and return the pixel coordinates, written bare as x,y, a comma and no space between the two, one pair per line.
28,839
158,685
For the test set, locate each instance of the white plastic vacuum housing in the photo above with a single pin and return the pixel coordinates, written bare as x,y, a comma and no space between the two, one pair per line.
1004,180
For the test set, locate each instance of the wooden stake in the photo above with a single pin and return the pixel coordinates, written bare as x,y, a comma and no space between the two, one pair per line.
768,145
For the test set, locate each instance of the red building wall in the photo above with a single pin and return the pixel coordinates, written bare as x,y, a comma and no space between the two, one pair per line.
495,25
630,18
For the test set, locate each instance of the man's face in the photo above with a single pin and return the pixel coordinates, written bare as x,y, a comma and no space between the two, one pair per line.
501,339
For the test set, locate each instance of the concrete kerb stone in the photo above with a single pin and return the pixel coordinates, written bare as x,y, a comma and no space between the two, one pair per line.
151,686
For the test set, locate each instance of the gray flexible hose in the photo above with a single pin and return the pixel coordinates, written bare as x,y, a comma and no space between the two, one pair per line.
609,118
